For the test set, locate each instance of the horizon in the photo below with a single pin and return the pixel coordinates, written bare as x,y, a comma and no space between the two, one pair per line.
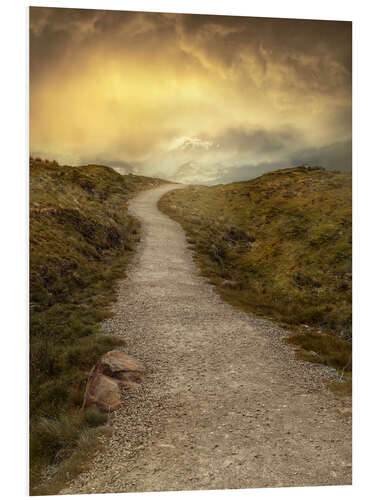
256,176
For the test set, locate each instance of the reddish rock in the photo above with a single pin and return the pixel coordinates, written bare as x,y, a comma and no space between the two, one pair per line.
122,367
115,368
102,391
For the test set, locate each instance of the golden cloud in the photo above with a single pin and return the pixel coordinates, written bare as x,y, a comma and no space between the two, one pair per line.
123,87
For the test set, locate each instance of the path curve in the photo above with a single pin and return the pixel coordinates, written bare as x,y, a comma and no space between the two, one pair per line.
225,403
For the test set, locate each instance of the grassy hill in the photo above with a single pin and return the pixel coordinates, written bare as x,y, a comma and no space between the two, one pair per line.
81,239
284,241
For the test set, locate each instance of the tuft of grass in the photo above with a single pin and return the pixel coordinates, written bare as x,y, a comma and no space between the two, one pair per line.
94,417
326,348
285,239
81,241
88,442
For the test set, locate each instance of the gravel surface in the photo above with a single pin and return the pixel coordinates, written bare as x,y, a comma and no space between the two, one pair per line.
225,404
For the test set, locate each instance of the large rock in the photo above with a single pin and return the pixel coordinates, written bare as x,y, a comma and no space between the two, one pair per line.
102,391
115,368
123,367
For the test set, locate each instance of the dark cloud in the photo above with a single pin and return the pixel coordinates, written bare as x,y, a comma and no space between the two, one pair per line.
317,53
257,140
336,156
59,33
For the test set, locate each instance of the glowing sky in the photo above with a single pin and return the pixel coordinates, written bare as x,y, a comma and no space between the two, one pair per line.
194,98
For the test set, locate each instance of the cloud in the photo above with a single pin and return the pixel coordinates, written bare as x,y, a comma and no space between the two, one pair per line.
208,170
257,140
190,144
336,156
219,95
293,55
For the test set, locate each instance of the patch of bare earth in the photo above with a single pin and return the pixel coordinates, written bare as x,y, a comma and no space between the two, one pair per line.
225,403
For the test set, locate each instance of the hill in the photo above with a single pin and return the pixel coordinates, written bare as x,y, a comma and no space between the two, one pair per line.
81,240
279,246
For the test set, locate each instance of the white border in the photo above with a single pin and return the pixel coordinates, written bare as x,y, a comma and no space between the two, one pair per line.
334,10
14,235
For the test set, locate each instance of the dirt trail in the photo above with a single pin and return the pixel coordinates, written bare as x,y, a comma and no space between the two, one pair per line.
225,404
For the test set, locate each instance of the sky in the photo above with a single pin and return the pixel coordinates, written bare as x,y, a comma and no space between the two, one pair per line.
192,98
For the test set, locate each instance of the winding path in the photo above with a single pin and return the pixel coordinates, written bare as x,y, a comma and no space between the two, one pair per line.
225,403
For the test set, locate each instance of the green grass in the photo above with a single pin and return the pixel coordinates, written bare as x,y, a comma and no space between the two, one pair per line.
285,239
81,240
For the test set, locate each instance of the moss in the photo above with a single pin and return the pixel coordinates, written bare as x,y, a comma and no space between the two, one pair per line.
285,237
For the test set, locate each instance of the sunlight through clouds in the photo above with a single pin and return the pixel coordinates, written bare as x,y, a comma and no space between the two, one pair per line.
165,93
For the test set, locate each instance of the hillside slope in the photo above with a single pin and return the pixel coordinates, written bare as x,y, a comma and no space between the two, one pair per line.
283,241
81,239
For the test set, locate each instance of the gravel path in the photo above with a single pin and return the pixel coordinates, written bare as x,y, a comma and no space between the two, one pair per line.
225,403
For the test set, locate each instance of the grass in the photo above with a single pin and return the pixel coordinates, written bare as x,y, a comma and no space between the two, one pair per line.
284,239
76,440
81,240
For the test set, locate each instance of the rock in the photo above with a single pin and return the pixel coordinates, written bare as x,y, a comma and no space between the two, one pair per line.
122,367
230,285
102,391
115,368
